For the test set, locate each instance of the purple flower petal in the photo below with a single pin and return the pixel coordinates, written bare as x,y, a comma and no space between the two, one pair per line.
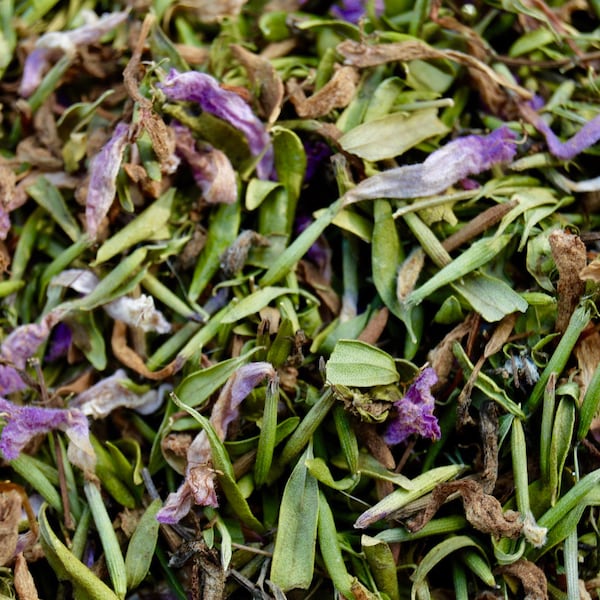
10,380
51,45
23,423
210,167
203,89
453,162
415,411
353,10
103,179
587,136
24,341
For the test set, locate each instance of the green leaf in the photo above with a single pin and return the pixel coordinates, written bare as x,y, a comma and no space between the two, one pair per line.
69,568
320,471
141,546
392,135
49,197
294,553
112,551
257,301
357,364
151,224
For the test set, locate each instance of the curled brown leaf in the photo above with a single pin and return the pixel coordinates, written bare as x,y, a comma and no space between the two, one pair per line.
336,93
532,578
482,510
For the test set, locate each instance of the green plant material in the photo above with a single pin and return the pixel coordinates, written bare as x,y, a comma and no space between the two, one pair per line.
48,197
318,468
434,527
347,437
486,384
223,229
518,451
68,567
112,552
224,469
257,301
303,433
579,320
562,433
330,550
479,566
294,553
141,546
392,135
548,408
268,432
399,498
355,363
382,564
434,557
151,224
589,405
28,468
571,554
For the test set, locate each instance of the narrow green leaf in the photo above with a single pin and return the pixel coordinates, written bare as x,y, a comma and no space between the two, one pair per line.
294,553
393,502
141,546
27,468
148,225
589,405
224,469
480,253
382,565
268,432
257,301
69,568
357,364
562,434
112,551
331,551
320,471
223,228
49,197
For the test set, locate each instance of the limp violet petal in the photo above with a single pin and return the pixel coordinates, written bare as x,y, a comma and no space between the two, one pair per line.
103,179
415,411
587,136
469,155
203,89
23,423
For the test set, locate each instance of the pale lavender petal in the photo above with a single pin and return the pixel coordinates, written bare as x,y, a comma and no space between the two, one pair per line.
52,44
177,505
203,89
138,312
115,392
23,423
587,136
415,411
10,380
469,155
24,341
4,222
103,179
35,67
212,170
353,10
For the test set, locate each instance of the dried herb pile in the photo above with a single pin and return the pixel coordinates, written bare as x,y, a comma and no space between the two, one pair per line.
299,299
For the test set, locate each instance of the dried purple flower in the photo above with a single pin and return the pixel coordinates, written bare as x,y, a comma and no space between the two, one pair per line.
21,344
199,484
211,168
415,411
25,422
53,44
353,10
453,162
587,136
104,169
203,89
